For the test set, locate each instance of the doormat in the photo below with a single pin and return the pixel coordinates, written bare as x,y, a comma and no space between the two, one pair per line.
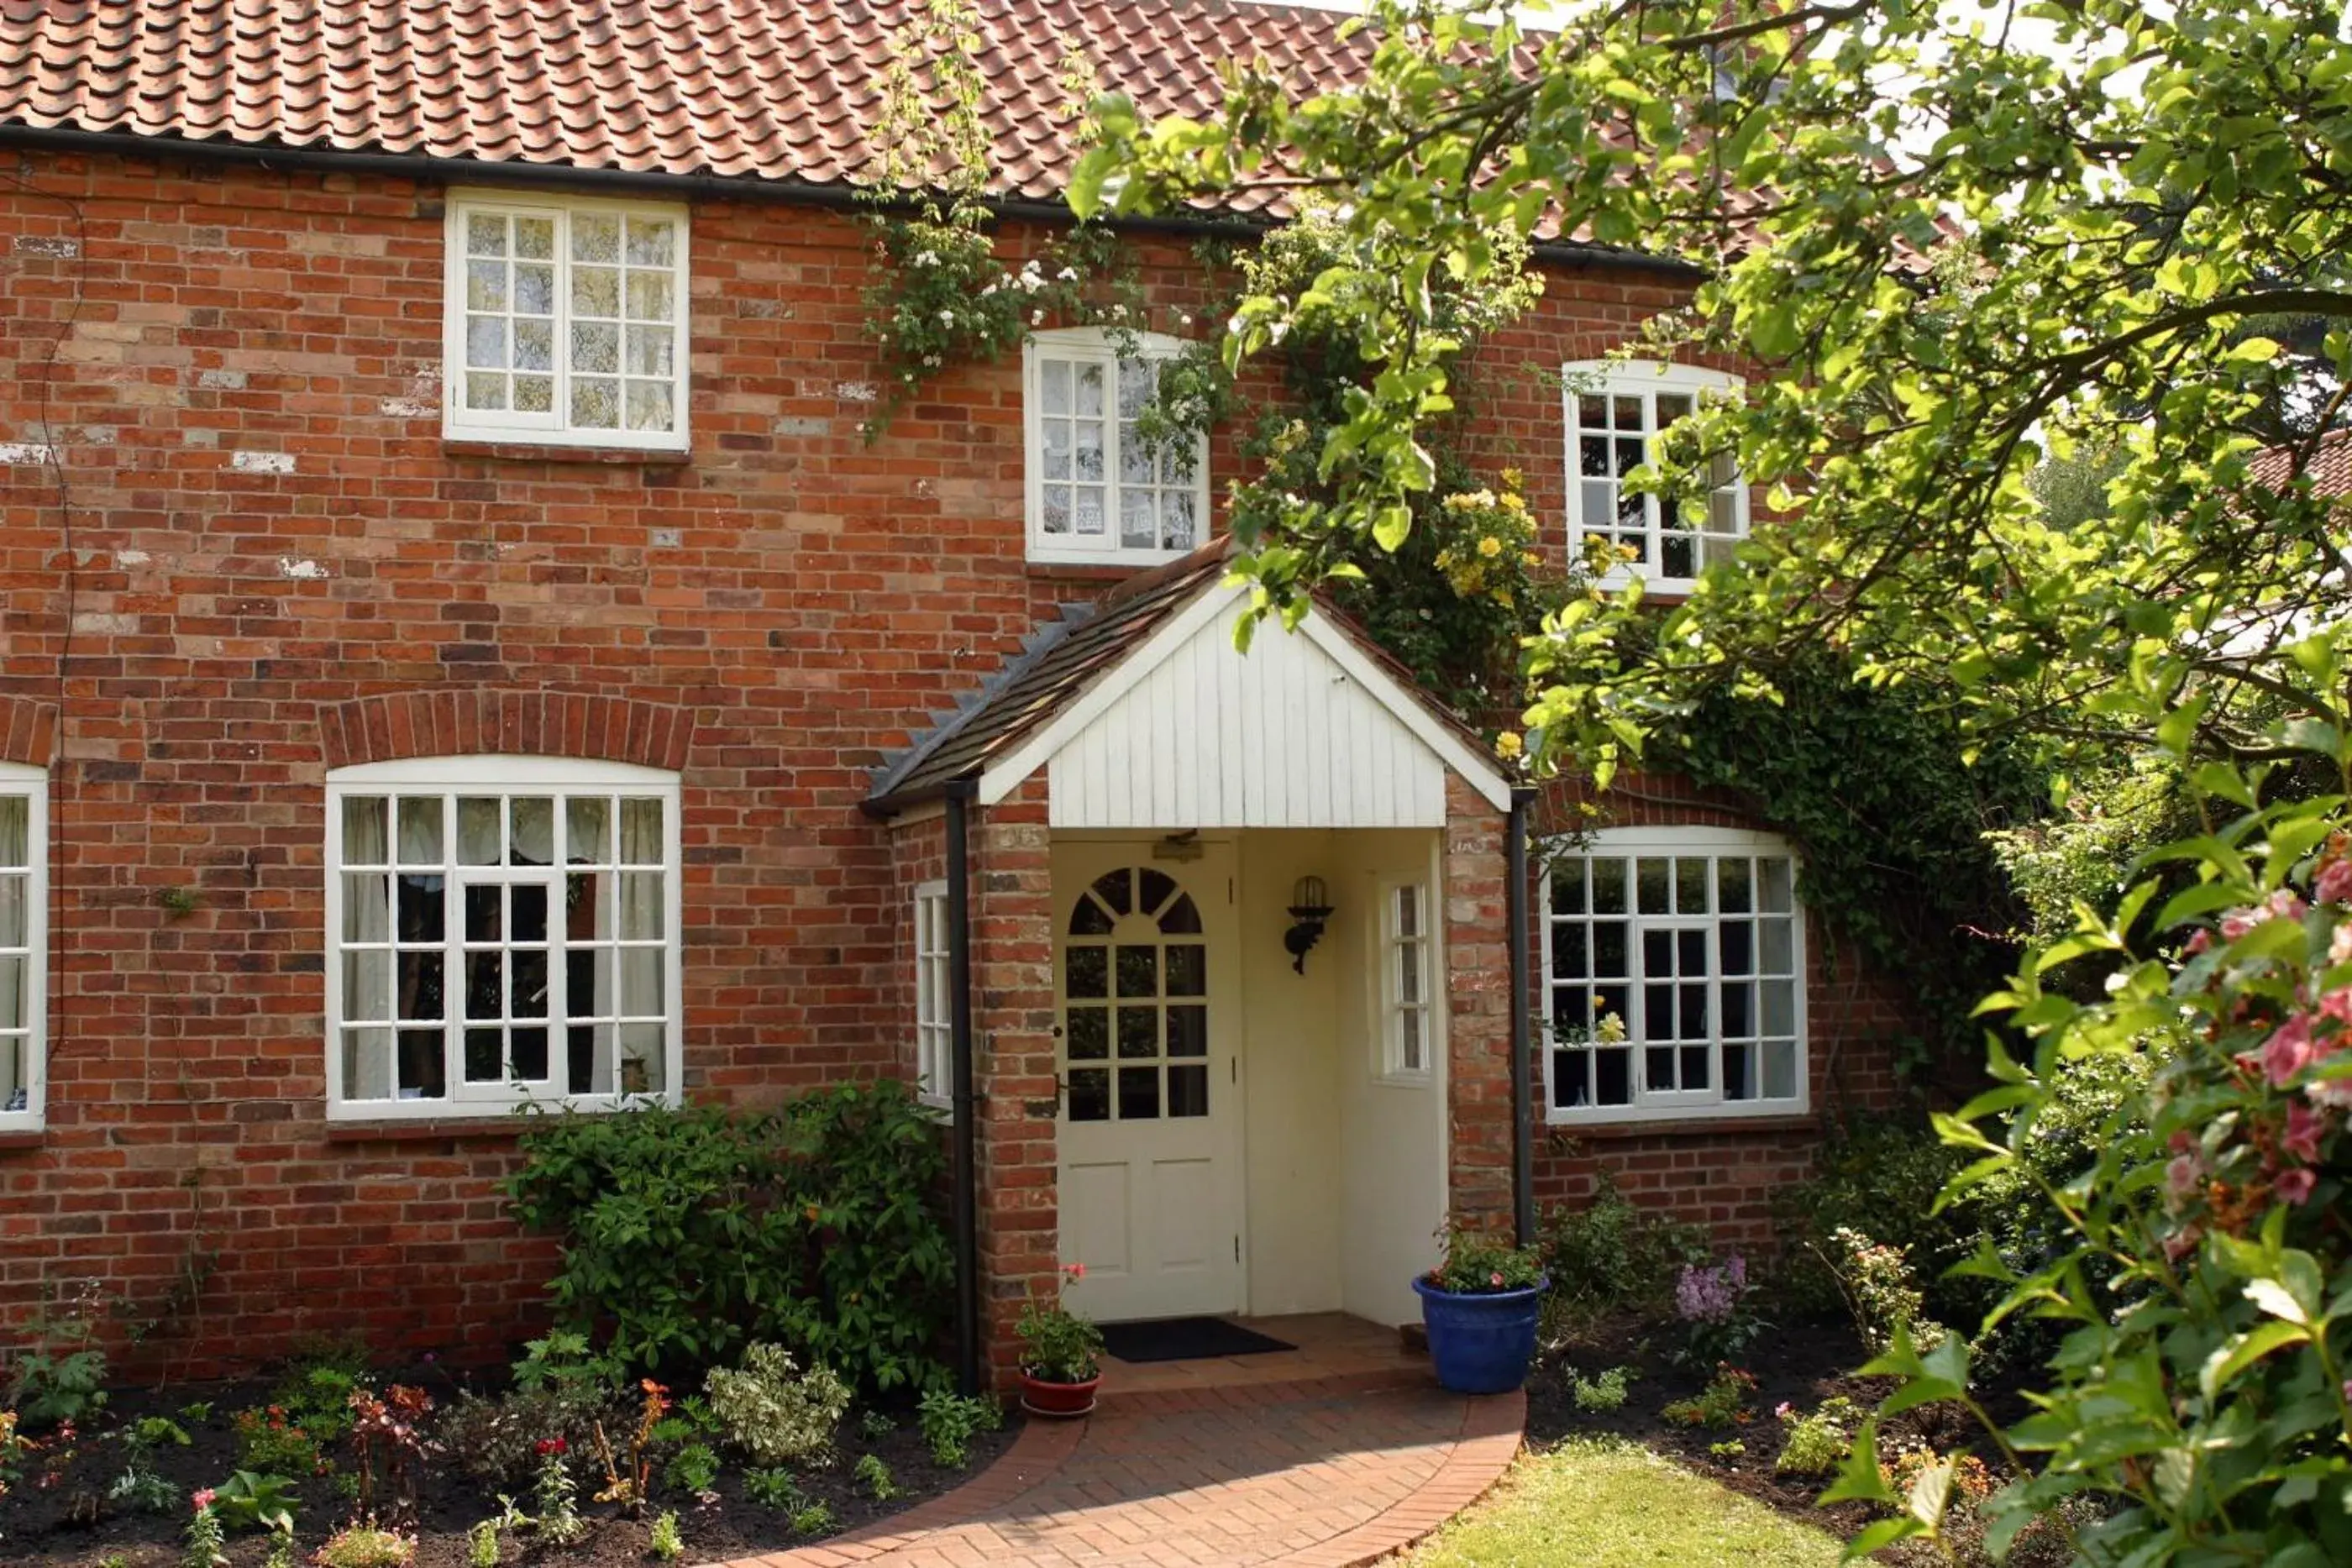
1185,1339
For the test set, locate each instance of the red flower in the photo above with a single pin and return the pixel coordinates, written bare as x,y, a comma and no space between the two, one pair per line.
203,1499
547,1446
1074,1270
2295,1186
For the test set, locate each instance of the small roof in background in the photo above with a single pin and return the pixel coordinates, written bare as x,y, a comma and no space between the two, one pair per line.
2327,464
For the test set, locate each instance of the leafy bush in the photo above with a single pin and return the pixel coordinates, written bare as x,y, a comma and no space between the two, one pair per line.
1879,1291
812,1519
949,1421
248,1501
269,1443
688,1233
665,1542
495,1439
1057,1345
1816,1444
482,1548
1879,1176
1722,1403
771,1410
59,1376
1603,1393
1609,1257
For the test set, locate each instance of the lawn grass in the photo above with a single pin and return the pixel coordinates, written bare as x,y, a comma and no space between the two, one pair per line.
1602,1503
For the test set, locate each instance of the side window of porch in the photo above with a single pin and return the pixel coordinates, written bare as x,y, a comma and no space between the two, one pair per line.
934,1075
1675,974
1404,966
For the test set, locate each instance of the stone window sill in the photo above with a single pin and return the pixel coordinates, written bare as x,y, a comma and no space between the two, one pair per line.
11,1142
1697,1127
537,452
426,1129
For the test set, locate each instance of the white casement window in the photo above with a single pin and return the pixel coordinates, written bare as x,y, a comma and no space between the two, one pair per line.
500,930
566,322
1614,413
1406,1036
1097,491
934,1011
1675,965
24,945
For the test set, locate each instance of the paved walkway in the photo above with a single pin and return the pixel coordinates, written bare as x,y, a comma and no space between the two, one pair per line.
1327,1473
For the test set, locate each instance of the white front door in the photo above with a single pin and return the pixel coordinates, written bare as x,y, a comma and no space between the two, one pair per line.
1150,1153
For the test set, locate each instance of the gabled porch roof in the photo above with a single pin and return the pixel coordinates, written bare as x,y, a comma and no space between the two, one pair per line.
1146,717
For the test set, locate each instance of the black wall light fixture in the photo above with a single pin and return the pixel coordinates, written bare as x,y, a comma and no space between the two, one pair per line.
1310,906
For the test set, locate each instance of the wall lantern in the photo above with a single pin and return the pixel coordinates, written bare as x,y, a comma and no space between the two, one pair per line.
1310,906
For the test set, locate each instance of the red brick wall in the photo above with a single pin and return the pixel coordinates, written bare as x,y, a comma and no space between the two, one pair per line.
787,603
1477,1010
1720,1174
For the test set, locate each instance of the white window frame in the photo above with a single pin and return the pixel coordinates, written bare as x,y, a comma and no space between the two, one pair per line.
499,774
31,785
554,428
1653,1106
1645,381
1105,347
934,1009
1394,1064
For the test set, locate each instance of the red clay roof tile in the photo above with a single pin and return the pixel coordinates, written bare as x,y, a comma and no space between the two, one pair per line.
770,89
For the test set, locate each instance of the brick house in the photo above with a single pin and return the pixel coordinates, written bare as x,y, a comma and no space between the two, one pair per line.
432,485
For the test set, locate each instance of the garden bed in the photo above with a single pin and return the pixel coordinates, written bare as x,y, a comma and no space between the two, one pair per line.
49,1526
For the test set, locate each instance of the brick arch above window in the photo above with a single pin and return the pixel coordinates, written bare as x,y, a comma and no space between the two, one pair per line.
28,731
450,721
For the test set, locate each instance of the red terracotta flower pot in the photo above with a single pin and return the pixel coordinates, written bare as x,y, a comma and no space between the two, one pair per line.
1058,1401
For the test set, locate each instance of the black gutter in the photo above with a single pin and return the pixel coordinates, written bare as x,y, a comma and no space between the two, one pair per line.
426,169
964,1151
882,807
1523,1121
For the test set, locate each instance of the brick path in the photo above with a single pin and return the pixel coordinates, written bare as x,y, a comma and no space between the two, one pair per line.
1324,1474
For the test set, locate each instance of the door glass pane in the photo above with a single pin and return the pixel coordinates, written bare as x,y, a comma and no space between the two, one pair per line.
1138,1031
1089,1096
1138,971
1188,1091
1138,1094
1089,1034
1088,972
1188,1030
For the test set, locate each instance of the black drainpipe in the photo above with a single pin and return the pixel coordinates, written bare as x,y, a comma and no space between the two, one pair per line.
965,1143
1523,1119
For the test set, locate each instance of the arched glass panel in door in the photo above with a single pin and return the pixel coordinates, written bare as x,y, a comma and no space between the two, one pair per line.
1135,989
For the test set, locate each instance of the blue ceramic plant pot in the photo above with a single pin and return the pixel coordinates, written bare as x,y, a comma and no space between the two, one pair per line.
1480,1344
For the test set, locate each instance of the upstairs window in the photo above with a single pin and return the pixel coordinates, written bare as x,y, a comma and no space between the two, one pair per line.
500,930
1097,491
1676,971
1615,412
1405,1033
566,322
24,945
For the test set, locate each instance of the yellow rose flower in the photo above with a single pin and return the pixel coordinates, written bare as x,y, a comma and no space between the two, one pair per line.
1509,743
1490,547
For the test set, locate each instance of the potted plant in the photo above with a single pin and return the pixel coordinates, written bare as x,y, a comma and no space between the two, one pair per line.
1479,1306
1061,1352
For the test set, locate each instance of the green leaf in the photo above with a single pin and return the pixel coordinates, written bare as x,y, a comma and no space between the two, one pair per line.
2241,1352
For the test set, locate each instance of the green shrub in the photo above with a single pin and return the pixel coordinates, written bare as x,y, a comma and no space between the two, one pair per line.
875,1477
250,1501
494,1438
693,1469
688,1233
1609,1257
775,1487
366,1546
1722,1403
665,1543
1875,1280
60,1375
949,1421
1477,1263
1816,1444
1601,1394
774,1411
482,1548
812,1519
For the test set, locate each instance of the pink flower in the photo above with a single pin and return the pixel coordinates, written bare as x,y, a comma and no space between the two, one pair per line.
2181,1175
2296,1184
1074,1270
2200,940
2331,1094
1496,1279
2288,1052
2337,1005
1783,1410
2334,882
2181,1242
2283,904
2302,1137
2339,943
203,1499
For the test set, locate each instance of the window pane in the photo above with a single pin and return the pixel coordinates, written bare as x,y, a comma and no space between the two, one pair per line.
532,831
650,348
1777,881
1090,391
1089,1094
1779,951
1779,1070
649,405
1407,911
418,982
423,915
16,817
587,829
595,404
486,234
486,288
1086,972
642,970
479,842
1187,1092
595,347
652,241
1054,386
534,293
13,999
1087,514
596,236
641,906
1609,886
367,1064
644,1064
1138,1031
1138,1094
534,238
596,291
1654,883
1779,1006
485,342
650,296
1567,959
1188,1030
1187,970
1177,521
527,902
1613,1077
15,913
641,830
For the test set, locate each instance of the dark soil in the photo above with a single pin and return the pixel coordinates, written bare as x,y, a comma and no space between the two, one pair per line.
50,1525
1800,1363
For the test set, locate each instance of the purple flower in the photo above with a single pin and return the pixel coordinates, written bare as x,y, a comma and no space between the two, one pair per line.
1704,1295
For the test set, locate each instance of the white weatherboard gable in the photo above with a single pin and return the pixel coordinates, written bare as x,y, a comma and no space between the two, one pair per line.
1304,731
